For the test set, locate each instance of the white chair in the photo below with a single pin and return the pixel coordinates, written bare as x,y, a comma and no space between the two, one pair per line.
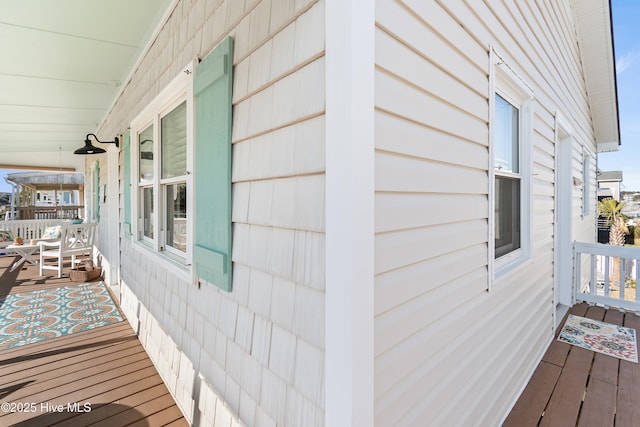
75,239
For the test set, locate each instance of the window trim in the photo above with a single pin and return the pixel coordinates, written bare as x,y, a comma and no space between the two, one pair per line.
179,90
586,187
93,213
504,81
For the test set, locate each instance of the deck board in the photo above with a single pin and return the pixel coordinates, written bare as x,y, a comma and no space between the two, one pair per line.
564,406
67,379
599,404
121,354
147,411
140,395
589,389
535,397
106,367
628,402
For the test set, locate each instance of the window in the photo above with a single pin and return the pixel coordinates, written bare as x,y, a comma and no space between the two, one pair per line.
94,192
162,153
586,166
177,172
145,183
506,163
510,169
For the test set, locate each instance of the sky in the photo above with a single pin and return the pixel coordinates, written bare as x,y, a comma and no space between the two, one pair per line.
626,33
4,187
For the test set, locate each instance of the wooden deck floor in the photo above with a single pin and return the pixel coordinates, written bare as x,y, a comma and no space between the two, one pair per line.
101,377
576,387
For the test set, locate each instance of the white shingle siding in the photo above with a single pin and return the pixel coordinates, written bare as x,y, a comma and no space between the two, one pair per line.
230,358
283,353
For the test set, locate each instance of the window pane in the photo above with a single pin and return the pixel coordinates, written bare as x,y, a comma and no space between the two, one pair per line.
147,212
586,166
505,136
145,139
507,216
176,216
174,142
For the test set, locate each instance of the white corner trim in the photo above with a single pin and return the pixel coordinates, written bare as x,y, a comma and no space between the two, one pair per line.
350,207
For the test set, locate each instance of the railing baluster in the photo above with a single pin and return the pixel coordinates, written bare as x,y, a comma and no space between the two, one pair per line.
606,275
593,287
590,285
623,263
577,272
637,264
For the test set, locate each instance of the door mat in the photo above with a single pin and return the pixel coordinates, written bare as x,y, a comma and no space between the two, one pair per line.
605,338
32,317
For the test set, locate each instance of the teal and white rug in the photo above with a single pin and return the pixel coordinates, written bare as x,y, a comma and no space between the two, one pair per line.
36,316
605,338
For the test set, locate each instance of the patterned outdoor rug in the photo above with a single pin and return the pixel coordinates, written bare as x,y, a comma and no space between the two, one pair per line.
36,316
605,338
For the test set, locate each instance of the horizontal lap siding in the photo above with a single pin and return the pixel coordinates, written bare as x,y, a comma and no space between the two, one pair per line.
446,350
397,135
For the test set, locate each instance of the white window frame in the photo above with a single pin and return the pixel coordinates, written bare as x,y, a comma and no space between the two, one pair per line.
92,193
586,180
504,81
88,194
179,90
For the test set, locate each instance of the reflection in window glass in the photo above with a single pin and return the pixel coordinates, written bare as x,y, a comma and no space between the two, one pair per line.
174,142
507,216
145,139
505,128
176,215
147,211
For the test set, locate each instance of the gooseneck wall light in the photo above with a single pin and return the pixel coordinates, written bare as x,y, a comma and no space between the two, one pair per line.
90,149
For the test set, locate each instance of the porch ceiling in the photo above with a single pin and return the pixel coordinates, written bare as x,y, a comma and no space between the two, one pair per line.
63,64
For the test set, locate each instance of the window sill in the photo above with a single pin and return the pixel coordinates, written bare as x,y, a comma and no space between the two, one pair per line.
510,264
167,261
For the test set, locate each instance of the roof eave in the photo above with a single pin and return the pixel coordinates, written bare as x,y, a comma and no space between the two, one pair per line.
595,39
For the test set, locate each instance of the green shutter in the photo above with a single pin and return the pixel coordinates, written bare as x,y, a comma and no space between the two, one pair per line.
212,88
126,183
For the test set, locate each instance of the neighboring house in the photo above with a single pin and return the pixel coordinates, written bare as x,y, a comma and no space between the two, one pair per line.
324,213
609,184
46,195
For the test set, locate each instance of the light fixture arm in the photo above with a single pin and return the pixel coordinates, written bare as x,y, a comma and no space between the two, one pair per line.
115,140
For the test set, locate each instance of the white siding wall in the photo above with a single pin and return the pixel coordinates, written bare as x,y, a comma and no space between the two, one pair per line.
584,224
254,356
101,238
104,229
447,351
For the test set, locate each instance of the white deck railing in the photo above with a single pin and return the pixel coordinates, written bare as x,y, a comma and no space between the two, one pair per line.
27,229
607,275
